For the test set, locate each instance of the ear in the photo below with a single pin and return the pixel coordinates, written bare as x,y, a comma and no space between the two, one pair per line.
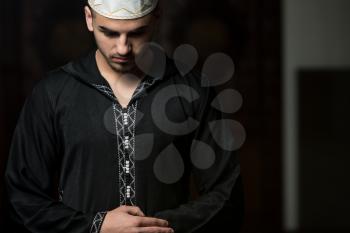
88,18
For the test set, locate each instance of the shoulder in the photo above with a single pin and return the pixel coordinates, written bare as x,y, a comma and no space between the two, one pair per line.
50,86
193,87
191,78
54,80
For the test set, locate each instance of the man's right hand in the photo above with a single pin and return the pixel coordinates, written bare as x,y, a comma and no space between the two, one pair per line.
130,219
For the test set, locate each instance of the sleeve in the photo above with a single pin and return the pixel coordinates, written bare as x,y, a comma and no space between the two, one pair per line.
217,185
30,170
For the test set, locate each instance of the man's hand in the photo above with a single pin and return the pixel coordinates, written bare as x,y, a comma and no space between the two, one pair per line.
130,219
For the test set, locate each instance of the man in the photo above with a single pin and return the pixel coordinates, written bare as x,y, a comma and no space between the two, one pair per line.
124,136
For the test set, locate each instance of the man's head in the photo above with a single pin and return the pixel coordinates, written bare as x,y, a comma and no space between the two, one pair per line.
121,28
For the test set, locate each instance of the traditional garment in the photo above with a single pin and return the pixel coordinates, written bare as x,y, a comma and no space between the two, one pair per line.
106,155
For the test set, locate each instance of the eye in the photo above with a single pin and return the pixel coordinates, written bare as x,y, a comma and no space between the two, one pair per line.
111,34
137,33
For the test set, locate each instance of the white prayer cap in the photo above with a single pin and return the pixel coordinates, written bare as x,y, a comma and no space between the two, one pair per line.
123,9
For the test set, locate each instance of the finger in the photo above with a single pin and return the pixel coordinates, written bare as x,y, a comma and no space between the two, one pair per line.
154,230
152,222
134,210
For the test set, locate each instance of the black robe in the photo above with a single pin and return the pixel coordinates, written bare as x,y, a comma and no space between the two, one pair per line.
106,156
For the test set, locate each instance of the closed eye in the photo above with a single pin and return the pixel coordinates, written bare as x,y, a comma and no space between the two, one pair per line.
111,34
107,32
137,33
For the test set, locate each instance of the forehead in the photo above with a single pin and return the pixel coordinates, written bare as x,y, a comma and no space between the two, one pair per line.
121,25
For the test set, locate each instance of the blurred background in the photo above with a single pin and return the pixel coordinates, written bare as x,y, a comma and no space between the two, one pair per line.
292,61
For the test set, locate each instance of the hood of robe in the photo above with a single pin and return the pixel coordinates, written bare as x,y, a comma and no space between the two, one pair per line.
85,69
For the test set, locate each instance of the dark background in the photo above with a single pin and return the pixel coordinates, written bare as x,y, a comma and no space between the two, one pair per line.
39,35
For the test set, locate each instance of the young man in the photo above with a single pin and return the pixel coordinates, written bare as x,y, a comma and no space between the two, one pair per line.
123,137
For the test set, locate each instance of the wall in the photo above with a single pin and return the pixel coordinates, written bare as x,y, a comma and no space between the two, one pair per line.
316,36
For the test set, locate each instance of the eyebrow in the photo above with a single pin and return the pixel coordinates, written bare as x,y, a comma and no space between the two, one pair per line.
105,29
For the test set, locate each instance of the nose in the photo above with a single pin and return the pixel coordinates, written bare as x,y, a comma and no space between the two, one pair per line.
123,45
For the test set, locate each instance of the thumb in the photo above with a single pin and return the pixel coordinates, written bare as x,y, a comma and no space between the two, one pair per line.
133,210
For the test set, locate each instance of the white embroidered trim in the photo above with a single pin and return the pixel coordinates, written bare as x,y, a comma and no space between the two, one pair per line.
125,122
97,222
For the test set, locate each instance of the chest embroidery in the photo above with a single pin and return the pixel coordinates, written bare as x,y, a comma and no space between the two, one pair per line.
125,121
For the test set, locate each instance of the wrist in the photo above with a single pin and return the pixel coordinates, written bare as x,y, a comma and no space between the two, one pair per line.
98,222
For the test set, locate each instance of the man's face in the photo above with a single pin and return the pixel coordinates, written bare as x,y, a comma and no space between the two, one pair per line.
120,41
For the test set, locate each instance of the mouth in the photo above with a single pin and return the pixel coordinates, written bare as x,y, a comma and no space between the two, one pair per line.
121,59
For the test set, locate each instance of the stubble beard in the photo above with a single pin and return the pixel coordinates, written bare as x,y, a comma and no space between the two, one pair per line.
129,67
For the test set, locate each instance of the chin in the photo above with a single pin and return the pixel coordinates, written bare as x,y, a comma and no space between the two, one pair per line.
122,68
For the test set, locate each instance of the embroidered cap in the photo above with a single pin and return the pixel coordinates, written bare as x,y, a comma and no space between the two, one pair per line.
123,9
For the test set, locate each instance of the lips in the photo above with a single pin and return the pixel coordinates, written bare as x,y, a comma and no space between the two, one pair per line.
120,59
